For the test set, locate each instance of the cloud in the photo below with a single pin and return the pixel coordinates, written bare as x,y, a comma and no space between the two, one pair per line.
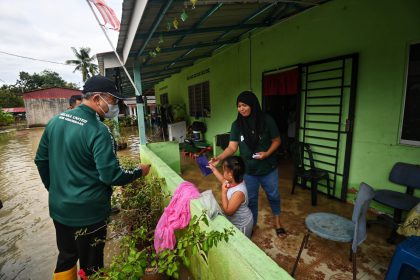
47,30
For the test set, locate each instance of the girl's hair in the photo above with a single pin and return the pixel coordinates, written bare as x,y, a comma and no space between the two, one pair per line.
237,166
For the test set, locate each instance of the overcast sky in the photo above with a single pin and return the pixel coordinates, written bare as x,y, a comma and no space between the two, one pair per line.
46,29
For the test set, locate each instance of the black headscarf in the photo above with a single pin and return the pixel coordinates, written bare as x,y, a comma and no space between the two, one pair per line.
251,127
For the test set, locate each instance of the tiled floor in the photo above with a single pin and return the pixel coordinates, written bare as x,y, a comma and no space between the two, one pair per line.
324,259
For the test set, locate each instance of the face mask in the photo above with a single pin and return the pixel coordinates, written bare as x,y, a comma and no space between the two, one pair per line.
113,110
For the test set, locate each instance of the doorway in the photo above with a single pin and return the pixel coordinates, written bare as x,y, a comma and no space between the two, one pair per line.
316,106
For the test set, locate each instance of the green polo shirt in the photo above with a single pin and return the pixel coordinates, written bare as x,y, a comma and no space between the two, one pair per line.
257,167
77,162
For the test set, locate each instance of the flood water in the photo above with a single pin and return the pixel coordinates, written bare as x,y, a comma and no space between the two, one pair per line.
27,235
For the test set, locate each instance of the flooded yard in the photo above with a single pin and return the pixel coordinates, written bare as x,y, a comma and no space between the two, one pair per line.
27,235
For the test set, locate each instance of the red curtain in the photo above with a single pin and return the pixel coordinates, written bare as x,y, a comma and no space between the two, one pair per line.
283,83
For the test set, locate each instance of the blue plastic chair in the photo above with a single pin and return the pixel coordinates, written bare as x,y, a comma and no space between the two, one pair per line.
337,228
408,253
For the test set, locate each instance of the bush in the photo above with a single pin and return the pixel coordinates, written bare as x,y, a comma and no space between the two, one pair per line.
141,204
6,118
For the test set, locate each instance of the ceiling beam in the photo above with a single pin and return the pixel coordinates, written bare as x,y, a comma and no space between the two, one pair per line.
165,69
250,17
196,46
200,21
183,32
167,62
155,25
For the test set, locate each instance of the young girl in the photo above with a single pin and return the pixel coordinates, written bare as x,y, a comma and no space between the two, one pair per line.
234,194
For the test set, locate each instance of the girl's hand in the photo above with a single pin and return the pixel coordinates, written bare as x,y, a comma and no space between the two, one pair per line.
225,186
214,161
211,167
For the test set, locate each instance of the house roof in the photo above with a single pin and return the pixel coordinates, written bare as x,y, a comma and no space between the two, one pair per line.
51,93
148,36
14,110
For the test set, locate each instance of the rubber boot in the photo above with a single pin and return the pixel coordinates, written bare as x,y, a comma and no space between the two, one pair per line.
70,274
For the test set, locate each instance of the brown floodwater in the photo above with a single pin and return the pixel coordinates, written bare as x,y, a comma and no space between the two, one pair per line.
27,235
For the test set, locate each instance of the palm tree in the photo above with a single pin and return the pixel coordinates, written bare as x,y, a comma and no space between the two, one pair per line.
84,62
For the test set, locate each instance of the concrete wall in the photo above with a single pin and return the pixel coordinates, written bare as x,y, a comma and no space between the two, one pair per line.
379,31
40,111
237,259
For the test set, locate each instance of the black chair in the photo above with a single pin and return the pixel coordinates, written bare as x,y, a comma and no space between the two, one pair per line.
313,174
403,174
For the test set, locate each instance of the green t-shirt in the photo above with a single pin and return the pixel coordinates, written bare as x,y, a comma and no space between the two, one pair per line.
257,167
77,162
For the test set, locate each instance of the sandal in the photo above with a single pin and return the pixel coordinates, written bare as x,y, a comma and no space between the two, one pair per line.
281,232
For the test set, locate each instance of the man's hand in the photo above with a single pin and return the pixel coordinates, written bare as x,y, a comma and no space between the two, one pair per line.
145,168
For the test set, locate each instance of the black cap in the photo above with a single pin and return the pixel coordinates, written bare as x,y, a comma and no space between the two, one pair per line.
101,84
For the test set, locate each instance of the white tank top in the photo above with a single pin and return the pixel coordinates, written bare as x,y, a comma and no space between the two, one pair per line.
243,214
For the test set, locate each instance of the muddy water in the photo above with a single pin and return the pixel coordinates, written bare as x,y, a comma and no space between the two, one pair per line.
27,236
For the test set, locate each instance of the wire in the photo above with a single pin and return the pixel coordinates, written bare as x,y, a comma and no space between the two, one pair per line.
26,57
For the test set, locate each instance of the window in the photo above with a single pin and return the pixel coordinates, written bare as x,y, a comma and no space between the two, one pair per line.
410,132
199,100
164,99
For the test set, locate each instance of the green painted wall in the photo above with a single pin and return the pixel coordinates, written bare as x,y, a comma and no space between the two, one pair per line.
168,152
379,31
239,258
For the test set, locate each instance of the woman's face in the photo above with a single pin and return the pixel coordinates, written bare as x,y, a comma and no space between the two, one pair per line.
243,109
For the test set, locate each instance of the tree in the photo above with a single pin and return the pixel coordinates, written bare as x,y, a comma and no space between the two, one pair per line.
45,79
84,62
9,99
10,95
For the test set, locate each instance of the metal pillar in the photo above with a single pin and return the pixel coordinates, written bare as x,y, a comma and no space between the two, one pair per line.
140,104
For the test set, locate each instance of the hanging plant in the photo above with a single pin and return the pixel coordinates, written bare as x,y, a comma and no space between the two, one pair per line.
175,23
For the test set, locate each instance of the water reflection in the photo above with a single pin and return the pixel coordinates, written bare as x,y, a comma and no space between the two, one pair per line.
27,236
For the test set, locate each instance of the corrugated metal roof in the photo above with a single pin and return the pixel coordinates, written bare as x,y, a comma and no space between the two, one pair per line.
51,93
210,26
14,110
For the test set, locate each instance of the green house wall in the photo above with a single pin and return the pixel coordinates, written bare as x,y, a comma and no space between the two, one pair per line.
379,31
239,258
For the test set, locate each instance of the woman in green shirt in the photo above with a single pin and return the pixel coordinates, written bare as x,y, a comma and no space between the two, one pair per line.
257,137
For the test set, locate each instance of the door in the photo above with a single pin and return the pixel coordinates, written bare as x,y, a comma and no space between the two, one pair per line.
326,102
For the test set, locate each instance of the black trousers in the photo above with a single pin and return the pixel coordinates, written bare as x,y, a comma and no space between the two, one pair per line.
85,244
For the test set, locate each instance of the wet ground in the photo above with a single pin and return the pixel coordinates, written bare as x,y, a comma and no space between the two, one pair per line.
27,235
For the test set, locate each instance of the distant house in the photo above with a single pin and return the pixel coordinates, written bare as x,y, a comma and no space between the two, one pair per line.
17,112
43,104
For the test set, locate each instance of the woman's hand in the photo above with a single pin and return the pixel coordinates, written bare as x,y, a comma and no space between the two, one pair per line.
261,155
214,161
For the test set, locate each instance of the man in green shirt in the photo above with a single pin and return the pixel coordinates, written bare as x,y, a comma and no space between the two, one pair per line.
77,162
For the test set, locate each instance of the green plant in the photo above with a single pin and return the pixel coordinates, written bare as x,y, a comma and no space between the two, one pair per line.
6,118
141,204
132,262
191,241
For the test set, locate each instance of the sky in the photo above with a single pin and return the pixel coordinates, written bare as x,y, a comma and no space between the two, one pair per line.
47,30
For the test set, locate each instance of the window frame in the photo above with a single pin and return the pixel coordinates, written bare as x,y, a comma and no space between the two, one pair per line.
402,141
164,97
201,89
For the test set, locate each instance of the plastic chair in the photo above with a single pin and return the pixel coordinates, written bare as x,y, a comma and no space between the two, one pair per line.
337,228
402,174
406,253
313,175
